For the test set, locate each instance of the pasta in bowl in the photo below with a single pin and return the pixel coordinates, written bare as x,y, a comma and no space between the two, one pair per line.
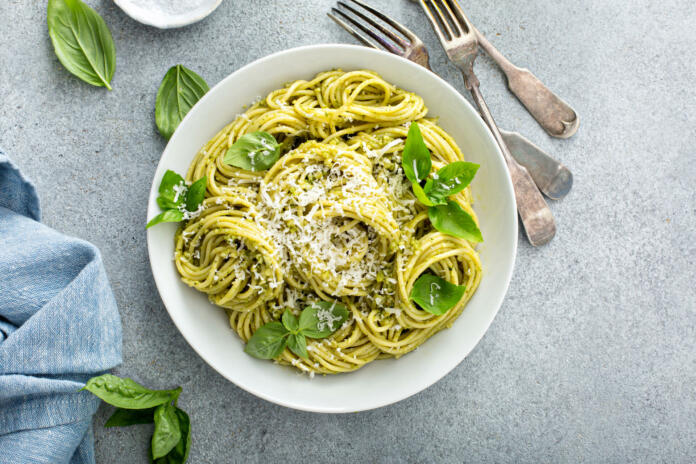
337,227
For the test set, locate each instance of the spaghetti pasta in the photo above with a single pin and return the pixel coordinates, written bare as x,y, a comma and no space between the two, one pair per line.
333,219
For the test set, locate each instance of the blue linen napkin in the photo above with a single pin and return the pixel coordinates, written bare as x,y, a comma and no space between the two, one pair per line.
59,326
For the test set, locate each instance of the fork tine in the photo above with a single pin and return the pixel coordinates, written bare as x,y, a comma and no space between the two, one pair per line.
454,19
436,26
393,23
382,40
459,13
351,31
376,25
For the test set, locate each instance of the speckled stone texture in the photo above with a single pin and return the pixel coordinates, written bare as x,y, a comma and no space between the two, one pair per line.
592,357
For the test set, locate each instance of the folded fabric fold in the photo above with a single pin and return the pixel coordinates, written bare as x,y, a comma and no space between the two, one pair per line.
59,326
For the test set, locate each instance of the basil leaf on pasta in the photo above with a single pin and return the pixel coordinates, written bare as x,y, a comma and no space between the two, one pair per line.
125,417
172,187
196,194
436,295
450,180
256,151
167,430
298,345
170,215
321,319
180,89
420,194
268,341
290,321
415,158
451,219
126,393
82,41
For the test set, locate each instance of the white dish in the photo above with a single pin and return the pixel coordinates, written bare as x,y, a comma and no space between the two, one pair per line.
159,16
383,382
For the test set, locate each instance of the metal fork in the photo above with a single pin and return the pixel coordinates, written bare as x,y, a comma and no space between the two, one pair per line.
407,44
459,40
553,178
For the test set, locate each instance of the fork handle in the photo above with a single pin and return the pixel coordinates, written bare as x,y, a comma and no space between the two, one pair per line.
535,214
553,114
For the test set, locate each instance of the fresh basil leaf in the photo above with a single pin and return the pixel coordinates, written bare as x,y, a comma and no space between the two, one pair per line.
82,41
415,158
298,345
196,194
126,393
256,151
180,89
321,319
451,219
170,215
179,454
436,295
290,321
268,341
166,203
167,430
173,187
125,417
451,180
420,194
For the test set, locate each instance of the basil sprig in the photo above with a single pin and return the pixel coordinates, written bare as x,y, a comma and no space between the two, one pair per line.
318,320
82,41
175,198
171,439
435,295
180,89
445,215
256,151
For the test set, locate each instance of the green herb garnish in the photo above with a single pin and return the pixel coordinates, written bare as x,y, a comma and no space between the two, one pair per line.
318,320
175,198
180,89
171,439
436,295
82,41
451,219
256,151
445,215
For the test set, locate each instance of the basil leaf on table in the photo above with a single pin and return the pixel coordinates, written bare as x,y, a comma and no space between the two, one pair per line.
256,151
180,89
298,345
268,341
125,417
196,194
167,430
82,41
451,219
126,393
450,180
170,215
179,454
321,319
415,158
436,295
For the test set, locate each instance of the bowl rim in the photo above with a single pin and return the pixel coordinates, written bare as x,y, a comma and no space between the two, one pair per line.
289,403
172,22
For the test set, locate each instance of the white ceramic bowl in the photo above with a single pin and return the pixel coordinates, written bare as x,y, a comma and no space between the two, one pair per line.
383,382
167,18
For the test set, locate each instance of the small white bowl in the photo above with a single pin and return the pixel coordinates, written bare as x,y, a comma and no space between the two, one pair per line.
162,19
383,382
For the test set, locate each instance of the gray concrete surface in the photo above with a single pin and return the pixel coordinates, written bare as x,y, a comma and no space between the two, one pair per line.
592,357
